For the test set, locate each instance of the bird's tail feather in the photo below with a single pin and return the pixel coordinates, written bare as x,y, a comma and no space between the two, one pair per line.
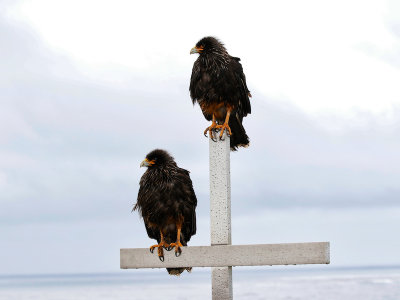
178,271
239,137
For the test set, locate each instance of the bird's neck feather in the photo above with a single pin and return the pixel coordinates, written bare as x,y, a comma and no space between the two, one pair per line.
217,59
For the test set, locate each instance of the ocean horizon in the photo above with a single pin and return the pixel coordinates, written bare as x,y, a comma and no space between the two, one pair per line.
290,282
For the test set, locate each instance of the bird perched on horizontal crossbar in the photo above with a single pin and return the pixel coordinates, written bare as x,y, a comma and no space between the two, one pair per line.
218,84
167,203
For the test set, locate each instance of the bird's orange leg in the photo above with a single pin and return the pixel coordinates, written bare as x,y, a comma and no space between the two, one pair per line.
160,247
178,244
211,128
225,126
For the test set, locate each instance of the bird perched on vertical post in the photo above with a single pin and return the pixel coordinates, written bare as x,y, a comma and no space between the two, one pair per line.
218,84
167,203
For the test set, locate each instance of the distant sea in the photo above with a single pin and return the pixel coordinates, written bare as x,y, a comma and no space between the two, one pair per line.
289,283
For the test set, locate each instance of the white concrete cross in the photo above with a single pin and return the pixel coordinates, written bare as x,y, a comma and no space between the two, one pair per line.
222,255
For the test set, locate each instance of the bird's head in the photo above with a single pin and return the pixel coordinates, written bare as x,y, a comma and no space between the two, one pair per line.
208,45
157,158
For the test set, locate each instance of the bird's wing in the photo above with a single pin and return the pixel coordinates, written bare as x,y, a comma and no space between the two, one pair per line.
189,227
152,233
244,106
144,196
194,80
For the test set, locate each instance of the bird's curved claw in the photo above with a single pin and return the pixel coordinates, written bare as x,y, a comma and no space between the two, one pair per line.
224,127
169,248
207,130
213,138
161,257
178,252
210,131
211,135
160,246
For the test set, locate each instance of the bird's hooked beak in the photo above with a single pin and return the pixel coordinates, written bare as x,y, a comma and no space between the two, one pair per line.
147,163
196,50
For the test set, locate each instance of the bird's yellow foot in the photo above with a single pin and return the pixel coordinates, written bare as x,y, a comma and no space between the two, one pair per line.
160,247
223,127
177,246
210,130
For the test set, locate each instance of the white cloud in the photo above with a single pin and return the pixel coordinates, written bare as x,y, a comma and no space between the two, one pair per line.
71,141
309,53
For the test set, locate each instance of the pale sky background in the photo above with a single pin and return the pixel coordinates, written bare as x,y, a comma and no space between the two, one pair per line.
88,88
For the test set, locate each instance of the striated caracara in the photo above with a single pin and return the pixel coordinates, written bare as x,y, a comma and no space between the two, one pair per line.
218,84
167,203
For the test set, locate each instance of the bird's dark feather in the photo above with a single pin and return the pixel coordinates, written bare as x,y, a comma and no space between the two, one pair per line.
217,78
166,193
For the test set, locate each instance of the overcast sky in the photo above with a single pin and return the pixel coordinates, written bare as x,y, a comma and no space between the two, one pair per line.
88,88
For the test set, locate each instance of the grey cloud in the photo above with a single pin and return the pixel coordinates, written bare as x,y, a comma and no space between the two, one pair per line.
76,145
392,55
70,149
295,163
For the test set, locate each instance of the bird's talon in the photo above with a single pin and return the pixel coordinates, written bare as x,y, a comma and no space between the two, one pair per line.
178,252
160,247
210,130
225,127
161,258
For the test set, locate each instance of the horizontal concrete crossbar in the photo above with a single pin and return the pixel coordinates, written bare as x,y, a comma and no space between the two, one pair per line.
229,255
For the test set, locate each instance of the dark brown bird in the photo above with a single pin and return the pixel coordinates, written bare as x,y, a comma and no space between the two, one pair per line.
218,84
167,203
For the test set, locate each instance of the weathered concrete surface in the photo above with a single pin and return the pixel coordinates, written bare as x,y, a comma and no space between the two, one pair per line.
220,212
222,283
220,192
230,255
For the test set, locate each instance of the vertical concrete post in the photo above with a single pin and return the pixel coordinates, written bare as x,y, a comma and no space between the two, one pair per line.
220,212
